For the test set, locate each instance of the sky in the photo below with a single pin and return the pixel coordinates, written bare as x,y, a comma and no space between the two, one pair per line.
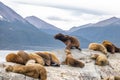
65,14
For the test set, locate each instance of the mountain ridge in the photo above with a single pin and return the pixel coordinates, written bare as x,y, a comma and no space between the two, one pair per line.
16,32
43,26
7,14
98,34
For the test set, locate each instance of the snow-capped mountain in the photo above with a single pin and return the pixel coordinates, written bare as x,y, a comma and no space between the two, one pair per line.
8,14
17,33
42,25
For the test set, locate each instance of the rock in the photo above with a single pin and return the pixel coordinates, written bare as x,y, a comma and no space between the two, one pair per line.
1,64
65,72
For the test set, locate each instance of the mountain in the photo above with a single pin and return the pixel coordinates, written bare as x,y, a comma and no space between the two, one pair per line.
17,33
7,14
79,27
104,30
43,26
106,22
99,24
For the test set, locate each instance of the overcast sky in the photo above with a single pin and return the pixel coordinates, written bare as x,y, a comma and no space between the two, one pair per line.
66,13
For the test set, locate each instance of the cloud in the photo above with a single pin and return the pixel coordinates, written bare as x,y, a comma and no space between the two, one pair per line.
73,9
65,14
77,10
56,18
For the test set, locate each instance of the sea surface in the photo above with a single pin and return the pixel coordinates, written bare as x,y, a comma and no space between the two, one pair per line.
3,53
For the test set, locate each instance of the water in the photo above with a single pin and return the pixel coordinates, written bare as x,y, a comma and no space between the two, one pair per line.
3,53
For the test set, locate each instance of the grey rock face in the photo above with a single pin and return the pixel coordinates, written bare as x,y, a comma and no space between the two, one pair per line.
65,72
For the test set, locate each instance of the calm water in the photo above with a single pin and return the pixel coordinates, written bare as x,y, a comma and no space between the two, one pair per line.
3,53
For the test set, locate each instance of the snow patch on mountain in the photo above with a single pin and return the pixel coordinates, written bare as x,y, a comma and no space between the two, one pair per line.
8,14
1,17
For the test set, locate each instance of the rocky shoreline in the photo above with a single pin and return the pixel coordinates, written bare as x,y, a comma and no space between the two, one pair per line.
65,72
